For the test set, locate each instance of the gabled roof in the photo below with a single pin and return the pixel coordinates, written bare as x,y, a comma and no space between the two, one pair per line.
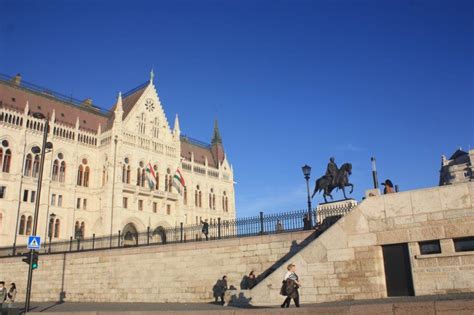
458,154
129,99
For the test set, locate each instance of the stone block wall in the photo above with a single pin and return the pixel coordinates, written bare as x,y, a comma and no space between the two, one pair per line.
161,273
346,262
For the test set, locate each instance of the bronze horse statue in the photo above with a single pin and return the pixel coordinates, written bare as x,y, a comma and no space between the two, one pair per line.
341,181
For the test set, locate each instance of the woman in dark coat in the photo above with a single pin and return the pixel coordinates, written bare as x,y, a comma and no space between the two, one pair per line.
292,285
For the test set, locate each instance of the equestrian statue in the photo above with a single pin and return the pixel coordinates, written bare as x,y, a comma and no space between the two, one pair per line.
334,178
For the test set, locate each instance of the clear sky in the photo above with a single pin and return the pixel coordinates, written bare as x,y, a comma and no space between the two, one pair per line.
291,82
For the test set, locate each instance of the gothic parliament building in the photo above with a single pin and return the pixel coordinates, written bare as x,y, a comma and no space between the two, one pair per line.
106,171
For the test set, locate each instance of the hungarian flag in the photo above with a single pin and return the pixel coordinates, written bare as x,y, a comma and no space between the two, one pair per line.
151,176
178,180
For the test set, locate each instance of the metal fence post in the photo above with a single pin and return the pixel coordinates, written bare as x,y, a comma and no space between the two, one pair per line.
93,241
148,235
219,228
70,244
181,231
118,241
261,222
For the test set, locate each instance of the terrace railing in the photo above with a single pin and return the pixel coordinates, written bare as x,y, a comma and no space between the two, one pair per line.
261,224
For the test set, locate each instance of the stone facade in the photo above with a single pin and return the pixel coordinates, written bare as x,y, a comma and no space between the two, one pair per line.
346,262
160,273
459,168
95,177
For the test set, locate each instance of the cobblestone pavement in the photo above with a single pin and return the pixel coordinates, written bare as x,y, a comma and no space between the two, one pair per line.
445,304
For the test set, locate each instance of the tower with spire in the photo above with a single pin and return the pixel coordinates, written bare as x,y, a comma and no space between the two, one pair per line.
216,145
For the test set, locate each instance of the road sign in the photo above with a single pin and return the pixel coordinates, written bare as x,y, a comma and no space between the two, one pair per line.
34,242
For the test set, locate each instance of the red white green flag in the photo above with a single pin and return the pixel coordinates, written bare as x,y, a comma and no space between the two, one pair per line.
151,176
178,180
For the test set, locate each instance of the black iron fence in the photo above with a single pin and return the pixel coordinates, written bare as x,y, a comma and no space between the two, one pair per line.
218,229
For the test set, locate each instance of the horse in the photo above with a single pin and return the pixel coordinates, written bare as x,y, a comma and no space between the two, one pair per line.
341,181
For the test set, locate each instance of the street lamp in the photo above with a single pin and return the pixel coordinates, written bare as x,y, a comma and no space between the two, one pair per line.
50,234
307,172
45,146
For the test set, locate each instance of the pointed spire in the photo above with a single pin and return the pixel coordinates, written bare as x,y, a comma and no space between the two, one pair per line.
216,138
176,124
152,76
27,108
53,116
118,107
77,122
99,129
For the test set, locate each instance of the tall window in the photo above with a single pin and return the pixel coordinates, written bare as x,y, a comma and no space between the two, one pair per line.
57,226
3,191
29,224
197,197
142,123
60,200
157,177
5,156
126,171
225,202
55,173
62,172
104,175
36,164
53,199
140,205
185,195
21,231
28,165
141,176
59,169
83,173
156,128
212,199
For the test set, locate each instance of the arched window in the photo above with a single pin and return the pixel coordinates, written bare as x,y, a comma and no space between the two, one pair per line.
57,226
6,161
21,231
80,175
50,227
212,199
86,176
141,174
36,164
170,180
5,156
83,173
83,229
62,172
28,165
225,202
55,173
157,177
105,175
185,195
29,224
198,197
79,229
126,172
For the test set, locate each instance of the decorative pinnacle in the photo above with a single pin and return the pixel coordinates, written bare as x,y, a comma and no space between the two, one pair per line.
152,75
216,138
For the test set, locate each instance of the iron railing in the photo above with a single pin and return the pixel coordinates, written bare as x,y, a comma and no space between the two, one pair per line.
219,229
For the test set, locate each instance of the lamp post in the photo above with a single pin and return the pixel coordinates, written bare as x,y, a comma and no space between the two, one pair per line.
45,145
307,172
52,216
374,173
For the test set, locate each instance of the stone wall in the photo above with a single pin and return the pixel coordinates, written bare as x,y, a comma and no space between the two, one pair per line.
346,262
161,273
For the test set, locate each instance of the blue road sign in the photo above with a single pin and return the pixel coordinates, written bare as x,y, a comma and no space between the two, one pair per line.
34,242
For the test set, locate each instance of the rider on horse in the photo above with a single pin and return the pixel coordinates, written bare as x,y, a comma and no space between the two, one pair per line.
331,171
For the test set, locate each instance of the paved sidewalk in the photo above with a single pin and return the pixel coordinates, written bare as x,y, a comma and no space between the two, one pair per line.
459,304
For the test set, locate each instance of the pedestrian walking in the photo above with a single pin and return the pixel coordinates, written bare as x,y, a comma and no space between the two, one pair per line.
11,295
3,293
291,286
205,228
220,288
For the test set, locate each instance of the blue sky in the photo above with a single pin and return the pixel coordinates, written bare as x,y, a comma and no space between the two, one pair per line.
291,82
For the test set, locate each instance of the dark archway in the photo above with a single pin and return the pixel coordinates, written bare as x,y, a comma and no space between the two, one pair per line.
159,235
130,235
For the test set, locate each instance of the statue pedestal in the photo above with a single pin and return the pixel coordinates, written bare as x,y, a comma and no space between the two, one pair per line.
334,210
